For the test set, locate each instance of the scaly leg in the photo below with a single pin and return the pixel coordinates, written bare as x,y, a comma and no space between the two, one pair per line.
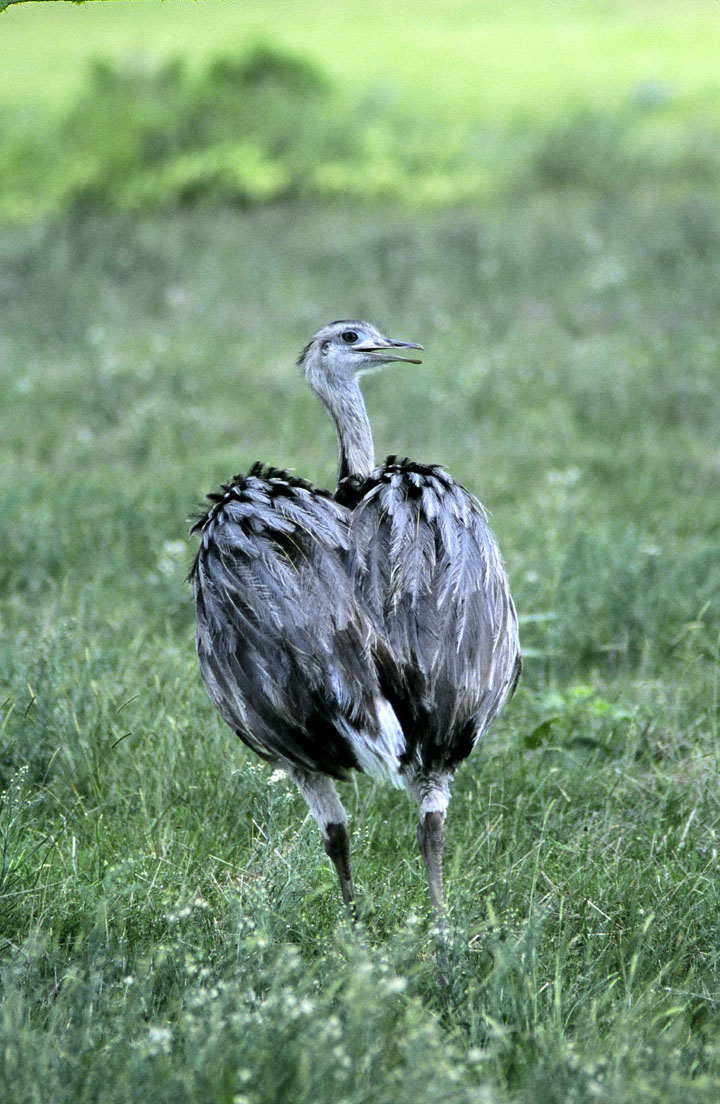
432,792
326,807
337,845
430,842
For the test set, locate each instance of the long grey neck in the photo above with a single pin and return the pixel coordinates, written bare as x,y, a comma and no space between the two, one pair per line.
356,454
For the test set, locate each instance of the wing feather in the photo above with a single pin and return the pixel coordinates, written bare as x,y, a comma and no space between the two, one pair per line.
286,647
425,562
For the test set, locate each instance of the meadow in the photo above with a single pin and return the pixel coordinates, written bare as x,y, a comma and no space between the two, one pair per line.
170,928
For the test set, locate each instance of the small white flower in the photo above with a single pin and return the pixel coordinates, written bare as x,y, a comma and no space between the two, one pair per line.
160,1039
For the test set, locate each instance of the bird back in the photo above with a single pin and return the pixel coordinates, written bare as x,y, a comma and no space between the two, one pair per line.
424,560
286,649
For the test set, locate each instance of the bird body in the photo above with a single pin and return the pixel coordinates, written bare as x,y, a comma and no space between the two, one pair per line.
286,649
427,566
370,630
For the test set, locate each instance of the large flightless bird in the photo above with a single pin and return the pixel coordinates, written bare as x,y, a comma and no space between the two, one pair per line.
371,629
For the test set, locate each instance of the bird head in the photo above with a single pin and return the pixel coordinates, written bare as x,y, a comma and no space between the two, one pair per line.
348,348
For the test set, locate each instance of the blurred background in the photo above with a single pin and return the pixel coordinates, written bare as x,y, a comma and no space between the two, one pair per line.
187,191
531,190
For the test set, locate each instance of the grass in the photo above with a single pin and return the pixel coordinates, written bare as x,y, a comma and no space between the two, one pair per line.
170,928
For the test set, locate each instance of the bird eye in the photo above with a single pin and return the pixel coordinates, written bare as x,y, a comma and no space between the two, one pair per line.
349,336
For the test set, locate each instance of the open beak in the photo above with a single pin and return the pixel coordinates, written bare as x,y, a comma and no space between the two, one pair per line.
385,352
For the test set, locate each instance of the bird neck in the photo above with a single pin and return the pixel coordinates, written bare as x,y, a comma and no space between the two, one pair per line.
356,452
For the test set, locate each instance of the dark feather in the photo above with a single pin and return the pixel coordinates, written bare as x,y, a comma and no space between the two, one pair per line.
286,649
427,566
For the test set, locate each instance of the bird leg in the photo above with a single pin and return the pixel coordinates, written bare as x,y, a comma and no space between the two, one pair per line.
326,807
337,845
430,842
431,789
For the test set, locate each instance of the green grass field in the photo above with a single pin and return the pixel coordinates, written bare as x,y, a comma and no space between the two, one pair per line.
170,928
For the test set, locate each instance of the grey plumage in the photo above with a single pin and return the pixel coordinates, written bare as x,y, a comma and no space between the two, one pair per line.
425,562
286,649
372,630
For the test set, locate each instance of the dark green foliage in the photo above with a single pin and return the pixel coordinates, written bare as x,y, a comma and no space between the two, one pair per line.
151,137
268,126
587,151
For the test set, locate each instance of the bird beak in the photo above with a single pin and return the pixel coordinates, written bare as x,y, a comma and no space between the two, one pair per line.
384,353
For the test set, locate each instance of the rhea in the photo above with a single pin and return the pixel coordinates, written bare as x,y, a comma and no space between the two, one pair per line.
371,629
